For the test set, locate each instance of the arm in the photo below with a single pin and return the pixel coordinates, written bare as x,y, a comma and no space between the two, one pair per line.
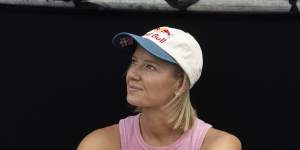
225,142
101,139
94,141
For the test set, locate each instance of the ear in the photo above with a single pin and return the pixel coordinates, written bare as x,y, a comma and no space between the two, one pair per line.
178,85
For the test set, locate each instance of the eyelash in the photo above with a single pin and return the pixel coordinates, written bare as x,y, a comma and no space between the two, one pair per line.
132,61
150,67
147,65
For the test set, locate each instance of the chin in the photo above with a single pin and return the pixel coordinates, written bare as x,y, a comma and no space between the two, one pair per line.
133,101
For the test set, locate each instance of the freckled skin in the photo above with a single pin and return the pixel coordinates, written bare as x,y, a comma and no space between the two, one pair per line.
154,76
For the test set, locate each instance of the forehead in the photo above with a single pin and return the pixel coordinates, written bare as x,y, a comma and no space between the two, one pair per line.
141,53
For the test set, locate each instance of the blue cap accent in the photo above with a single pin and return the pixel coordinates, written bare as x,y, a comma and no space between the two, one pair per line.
147,44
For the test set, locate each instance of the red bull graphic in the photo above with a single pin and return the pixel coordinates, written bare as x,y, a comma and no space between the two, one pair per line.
164,30
157,34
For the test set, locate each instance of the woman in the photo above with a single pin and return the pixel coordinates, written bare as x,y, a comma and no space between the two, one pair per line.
165,65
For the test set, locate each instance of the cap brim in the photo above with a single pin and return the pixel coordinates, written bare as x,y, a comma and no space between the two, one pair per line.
148,45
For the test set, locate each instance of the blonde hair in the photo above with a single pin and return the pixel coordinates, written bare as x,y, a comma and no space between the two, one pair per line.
181,114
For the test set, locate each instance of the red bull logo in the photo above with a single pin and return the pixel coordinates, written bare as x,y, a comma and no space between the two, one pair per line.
163,30
157,34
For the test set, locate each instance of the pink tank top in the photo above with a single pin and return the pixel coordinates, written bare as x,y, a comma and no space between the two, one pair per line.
131,138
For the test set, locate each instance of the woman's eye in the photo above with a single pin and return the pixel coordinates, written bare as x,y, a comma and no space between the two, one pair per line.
132,61
150,67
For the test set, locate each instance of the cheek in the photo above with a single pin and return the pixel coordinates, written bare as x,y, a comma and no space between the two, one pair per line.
160,90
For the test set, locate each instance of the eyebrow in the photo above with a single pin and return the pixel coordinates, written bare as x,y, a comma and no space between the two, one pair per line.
149,61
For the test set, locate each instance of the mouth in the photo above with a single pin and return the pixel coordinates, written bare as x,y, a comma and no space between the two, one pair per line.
133,88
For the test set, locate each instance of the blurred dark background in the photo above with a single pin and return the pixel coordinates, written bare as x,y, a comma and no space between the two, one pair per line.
62,78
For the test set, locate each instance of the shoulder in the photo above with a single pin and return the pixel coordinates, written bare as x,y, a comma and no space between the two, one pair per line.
107,138
220,140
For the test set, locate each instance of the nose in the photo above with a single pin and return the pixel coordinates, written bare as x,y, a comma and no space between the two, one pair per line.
133,73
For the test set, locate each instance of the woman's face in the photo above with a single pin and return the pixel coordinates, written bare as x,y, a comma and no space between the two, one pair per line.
151,82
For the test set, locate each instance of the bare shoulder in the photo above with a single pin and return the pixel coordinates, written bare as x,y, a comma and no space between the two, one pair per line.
107,138
220,140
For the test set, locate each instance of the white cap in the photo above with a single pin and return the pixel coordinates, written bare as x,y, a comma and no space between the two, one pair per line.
170,44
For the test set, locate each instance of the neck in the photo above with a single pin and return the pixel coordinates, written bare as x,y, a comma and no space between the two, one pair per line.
155,129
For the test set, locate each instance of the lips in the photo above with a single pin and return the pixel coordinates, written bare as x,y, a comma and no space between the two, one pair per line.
133,87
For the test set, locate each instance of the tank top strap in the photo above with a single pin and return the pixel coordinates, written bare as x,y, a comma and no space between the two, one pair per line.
126,131
199,133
